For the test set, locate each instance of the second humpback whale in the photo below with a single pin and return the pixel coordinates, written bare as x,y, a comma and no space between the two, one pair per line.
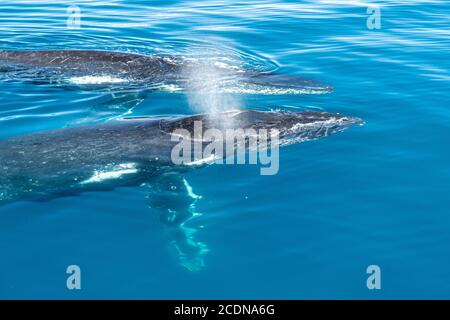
92,69
129,152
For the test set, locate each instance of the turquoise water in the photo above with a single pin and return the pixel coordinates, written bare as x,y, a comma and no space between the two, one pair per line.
376,194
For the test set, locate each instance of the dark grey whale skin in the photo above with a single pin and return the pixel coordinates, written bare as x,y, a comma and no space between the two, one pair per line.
84,62
140,70
55,163
49,163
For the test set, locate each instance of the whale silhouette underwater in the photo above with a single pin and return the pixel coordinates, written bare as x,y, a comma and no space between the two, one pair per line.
129,152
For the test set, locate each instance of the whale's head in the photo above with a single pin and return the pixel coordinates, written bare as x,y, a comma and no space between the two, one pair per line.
290,127
294,127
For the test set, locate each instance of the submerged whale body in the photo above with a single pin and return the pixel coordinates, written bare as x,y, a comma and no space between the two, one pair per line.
91,69
130,152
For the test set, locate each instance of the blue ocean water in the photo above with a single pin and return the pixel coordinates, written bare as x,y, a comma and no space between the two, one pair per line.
376,194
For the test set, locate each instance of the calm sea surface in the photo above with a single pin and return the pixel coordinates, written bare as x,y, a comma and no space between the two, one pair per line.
377,194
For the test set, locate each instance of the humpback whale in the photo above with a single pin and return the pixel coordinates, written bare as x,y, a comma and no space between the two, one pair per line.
131,151
89,69
137,152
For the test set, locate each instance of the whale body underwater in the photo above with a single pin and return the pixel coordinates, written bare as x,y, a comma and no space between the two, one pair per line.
89,69
131,151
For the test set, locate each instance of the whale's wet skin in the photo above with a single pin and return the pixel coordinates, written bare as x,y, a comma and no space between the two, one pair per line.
91,69
131,151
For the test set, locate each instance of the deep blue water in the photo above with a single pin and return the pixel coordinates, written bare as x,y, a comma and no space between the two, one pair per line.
377,194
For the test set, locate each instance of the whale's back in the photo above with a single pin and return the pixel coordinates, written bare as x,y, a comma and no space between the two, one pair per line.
88,63
39,164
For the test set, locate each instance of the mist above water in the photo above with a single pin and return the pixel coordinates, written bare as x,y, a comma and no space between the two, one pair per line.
206,81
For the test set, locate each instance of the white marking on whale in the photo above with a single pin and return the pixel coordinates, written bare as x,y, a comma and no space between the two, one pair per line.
202,161
115,173
96,80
